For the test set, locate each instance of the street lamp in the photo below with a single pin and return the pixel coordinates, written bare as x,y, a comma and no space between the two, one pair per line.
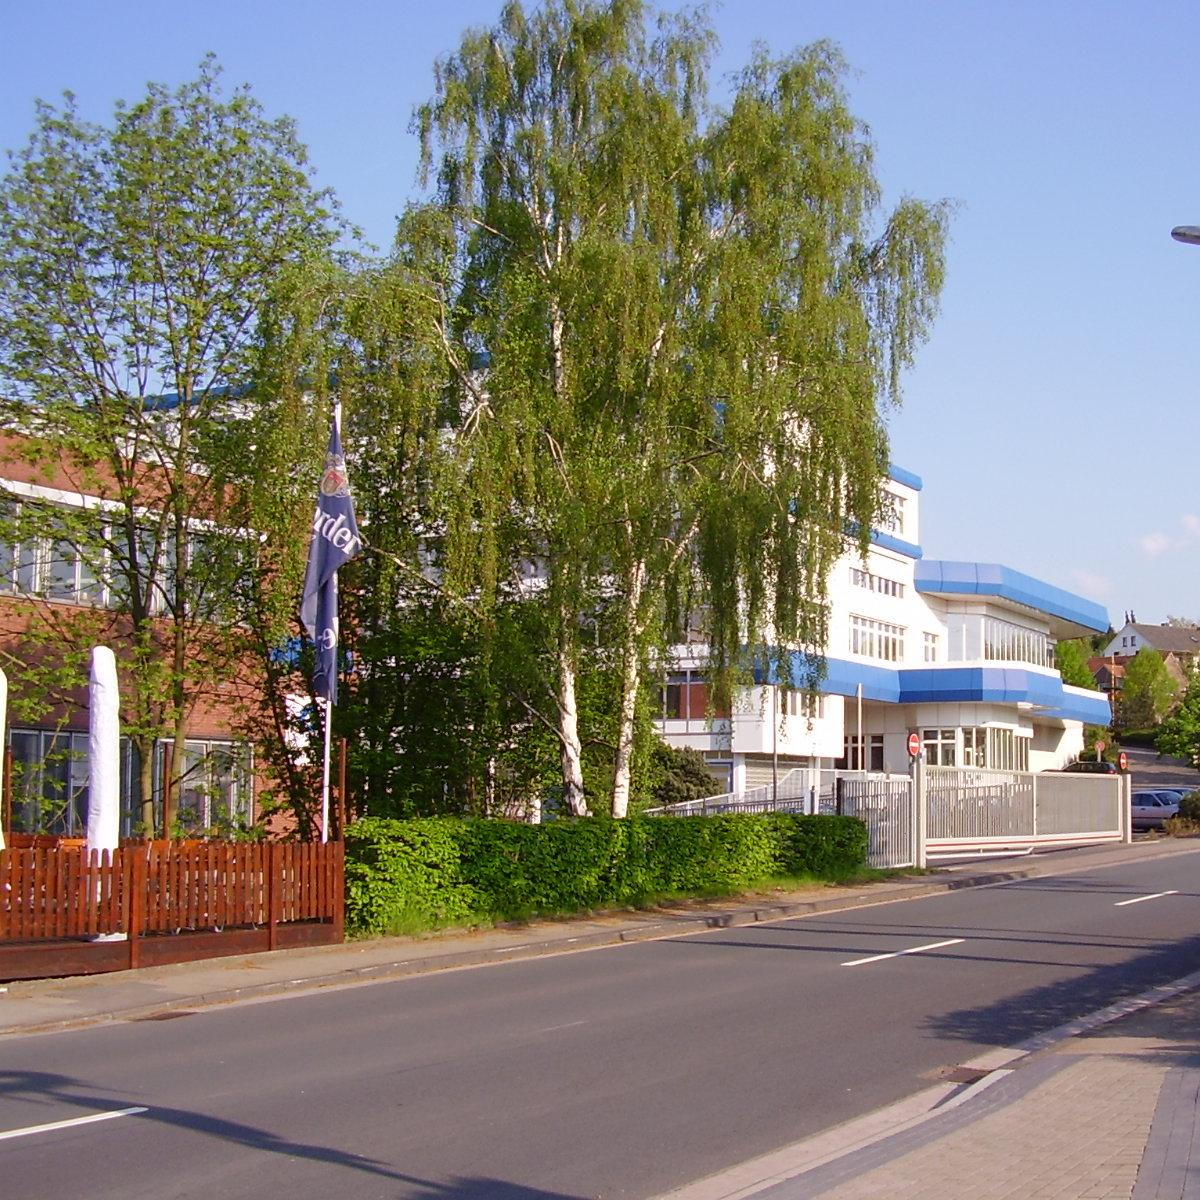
1187,233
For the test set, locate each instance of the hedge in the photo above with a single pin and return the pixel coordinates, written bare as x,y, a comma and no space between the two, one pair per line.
407,876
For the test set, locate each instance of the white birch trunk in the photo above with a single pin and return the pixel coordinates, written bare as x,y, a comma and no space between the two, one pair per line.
571,750
630,676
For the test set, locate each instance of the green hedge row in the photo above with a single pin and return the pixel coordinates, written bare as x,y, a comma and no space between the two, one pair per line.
406,876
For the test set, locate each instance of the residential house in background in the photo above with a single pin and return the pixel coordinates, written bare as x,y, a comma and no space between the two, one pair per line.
1179,645
959,653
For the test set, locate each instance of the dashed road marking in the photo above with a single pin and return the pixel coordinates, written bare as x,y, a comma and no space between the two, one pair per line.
90,1120
858,962
1139,899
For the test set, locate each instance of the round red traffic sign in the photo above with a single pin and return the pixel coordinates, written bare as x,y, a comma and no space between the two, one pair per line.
914,744
1122,761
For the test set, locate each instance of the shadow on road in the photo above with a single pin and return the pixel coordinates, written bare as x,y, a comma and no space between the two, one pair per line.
44,1087
1015,1018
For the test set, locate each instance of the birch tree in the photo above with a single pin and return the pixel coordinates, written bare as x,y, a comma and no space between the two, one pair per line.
692,324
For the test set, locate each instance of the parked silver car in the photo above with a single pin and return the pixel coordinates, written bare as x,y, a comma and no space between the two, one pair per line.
1151,808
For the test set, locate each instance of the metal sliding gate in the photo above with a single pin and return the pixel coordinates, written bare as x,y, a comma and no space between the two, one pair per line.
946,812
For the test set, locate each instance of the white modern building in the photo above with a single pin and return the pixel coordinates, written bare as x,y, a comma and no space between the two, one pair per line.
959,653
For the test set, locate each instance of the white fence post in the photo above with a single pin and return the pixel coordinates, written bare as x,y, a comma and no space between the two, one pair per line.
920,803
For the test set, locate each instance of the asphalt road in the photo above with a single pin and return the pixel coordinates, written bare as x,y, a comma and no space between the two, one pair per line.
616,1073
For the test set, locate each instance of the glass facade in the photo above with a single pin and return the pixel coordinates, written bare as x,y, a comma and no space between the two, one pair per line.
1004,641
50,783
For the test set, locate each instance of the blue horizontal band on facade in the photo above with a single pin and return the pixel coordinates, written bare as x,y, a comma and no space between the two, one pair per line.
885,541
907,478
992,579
965,685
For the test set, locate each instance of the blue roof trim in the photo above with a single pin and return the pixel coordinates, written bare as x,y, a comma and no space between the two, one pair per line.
900,475
885,541
992,579
948,685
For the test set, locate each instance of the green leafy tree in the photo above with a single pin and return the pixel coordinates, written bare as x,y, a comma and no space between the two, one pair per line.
1148,691
681,775
1179,733
136,260
1071,659
689,327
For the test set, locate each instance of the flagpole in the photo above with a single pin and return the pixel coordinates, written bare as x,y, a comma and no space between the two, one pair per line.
325,779
334,541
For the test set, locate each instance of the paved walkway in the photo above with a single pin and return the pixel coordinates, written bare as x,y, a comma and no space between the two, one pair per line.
1102,1111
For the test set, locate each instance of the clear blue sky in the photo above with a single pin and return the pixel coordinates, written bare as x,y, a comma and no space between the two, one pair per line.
1053,415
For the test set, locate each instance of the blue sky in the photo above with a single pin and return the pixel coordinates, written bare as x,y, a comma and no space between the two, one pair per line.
1053,414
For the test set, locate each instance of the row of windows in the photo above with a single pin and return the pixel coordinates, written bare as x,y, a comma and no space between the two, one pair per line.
876,639
685,697
998,749
876,583
861,753
50,783
78,566
1005,642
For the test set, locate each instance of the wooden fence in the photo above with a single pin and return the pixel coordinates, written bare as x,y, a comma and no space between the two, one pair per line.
156,902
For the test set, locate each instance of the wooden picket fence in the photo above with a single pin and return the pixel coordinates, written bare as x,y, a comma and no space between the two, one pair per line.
165,901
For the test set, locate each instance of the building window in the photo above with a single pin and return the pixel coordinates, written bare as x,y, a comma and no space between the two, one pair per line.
974,747
931,647
891,514
876,583
49,781
997,749
852,753
938,745
215,785
1004,641
685,697
876,639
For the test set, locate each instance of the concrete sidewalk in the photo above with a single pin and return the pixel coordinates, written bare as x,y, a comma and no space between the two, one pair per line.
1102,1108
48,1005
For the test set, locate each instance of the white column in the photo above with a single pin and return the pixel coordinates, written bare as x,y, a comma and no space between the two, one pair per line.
104,753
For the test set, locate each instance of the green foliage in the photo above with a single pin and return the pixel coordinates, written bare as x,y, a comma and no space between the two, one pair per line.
1179,733
680,775
692,319
402,876
1147,693
1071,659
1189,806
137,259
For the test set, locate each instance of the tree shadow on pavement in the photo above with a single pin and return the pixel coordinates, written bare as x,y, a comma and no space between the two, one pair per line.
42,1087
1015,1019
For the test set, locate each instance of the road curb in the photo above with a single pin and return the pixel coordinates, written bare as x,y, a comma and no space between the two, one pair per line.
452,960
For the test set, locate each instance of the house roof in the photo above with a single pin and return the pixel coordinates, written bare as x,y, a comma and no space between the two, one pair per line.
1171,639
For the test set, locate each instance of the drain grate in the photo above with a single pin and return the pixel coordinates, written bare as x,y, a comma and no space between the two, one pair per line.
170,1015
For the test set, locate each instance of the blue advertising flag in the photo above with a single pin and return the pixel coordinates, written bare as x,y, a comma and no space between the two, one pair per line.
335,541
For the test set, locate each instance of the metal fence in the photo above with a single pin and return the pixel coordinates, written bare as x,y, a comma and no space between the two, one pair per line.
980,812
960,811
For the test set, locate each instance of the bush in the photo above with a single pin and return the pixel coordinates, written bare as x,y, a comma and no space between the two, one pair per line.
1189,806
408,876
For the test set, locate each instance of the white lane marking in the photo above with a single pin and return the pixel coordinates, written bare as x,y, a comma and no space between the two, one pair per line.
858,962
568,1025
106,1116
1139,899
